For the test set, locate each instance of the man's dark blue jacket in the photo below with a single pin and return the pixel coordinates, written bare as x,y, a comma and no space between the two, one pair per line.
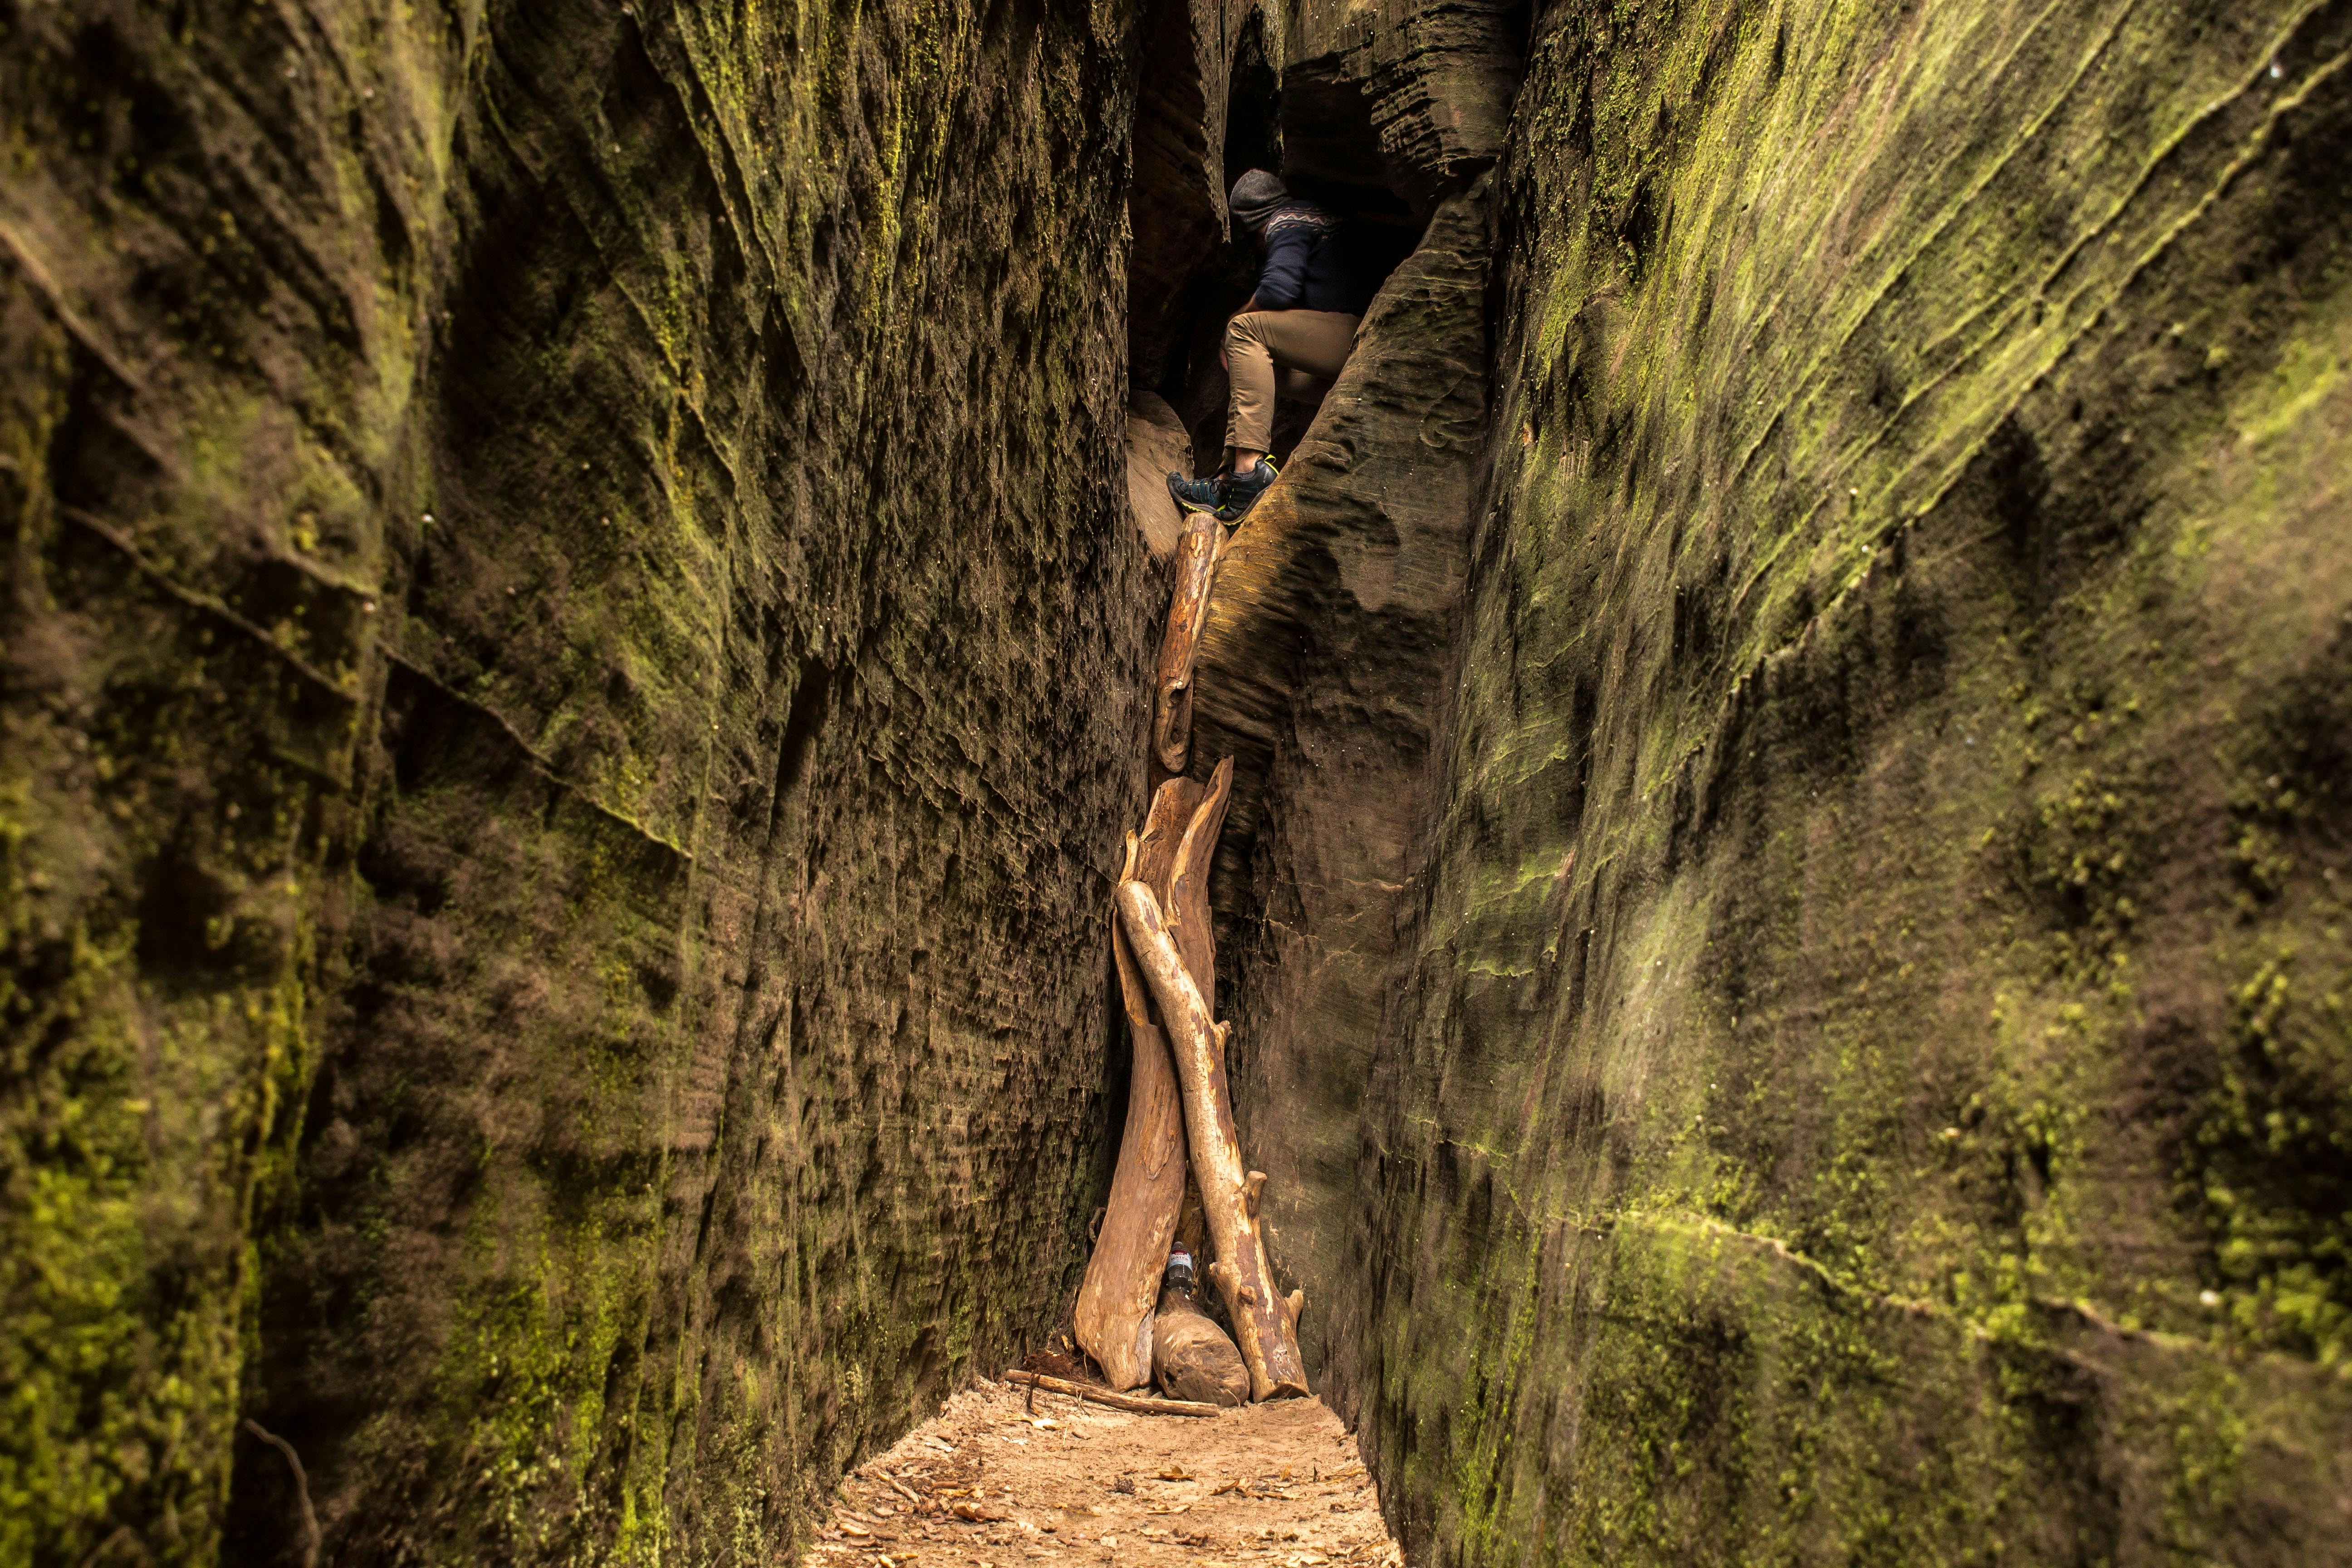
1305,267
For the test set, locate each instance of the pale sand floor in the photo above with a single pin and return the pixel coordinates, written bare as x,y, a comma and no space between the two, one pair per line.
997,1486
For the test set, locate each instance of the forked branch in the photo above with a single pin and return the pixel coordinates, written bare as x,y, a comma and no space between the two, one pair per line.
1265,1325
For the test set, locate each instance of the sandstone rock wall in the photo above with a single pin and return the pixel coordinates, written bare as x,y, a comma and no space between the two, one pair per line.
573,685
574,671
1873,1083
1433,79
1322,672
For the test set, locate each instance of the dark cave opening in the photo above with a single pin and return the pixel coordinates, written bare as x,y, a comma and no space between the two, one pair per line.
1253,107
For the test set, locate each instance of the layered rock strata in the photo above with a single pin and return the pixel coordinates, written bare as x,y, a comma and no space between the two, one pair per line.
1321,672
574,683
1432,83
1872,1083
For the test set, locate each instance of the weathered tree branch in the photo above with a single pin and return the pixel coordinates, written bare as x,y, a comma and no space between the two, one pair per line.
1147,1189
1184,897
1264,1324
1141,1404
301,1488
1191,1356
1172,693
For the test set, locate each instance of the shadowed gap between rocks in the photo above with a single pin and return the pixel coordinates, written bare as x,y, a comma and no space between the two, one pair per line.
1190,270
1331,619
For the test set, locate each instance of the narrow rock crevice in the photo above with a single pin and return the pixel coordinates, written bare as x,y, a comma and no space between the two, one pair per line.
1763,977
1321,672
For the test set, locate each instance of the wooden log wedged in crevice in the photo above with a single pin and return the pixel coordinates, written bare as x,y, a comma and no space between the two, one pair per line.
1147,1189
1188,611
1184,901
1191,1358
1265,1325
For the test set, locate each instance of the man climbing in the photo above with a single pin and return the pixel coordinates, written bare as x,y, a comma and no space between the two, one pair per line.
1295,331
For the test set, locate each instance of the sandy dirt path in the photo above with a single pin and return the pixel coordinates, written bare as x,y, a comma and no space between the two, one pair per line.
997,1482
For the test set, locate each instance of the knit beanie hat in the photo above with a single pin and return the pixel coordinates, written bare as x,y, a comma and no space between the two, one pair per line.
1255,194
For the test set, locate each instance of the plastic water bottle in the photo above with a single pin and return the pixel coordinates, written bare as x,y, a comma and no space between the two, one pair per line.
1180,1272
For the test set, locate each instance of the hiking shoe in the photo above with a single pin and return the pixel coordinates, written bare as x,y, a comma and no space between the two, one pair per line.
1239,493
1197,495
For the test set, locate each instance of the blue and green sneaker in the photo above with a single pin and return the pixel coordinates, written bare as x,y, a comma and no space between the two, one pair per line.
1196,495
1227,496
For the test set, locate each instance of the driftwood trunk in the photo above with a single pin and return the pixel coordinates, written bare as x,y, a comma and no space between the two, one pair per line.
1191,1358
1147,1188
1171,692
1266,1326
1140,1404
1185,904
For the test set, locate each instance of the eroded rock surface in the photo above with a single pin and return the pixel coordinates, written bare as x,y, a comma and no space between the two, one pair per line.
1156,448
1321,672
573,677
1873,1083
1434,83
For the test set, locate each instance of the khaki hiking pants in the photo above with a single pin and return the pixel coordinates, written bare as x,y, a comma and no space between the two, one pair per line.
1306,346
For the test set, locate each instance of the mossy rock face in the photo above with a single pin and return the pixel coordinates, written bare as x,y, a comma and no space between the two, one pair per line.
574,678
575,669
1875,1083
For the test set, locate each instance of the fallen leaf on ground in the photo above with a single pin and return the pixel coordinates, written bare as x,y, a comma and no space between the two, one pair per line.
1172,1473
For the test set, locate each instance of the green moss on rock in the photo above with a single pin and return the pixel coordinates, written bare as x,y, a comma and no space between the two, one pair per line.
572,653
1873,1085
